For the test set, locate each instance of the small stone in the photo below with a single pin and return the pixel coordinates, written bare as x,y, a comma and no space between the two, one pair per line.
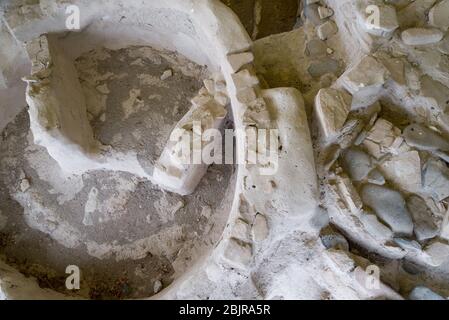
221,98
240,230
357,164
365,81
375,227
348,194
167,74
421,36
443,45
316,48
210,86
325,12
24,185
239,60
423,293
311,14
423,138
238,253
327,30
333,240
244,79
260,228
404,171
436,90
246,95
390,206
383,138
323,66
425,226
332,108
438,251
157,286
436,179
376,177
439,15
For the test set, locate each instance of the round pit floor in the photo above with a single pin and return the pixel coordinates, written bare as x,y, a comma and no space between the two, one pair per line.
129,238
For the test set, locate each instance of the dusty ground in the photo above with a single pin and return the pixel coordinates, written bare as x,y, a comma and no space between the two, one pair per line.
125,234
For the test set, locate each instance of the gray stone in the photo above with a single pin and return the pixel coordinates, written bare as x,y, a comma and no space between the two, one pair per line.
376,177
311,14
357,164
421,36
327,30
423,293
439,15
324,66
260,228
333,240
438,252
423,138
316,48
389,205
436,179
425,225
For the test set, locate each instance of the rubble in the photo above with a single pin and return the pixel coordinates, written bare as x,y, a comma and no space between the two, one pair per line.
426,226
436,179
365,81
389,205
331,109
423,293
421,36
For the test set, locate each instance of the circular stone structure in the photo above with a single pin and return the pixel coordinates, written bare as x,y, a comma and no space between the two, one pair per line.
103,100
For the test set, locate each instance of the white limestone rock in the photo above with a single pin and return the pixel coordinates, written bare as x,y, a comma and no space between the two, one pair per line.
389,205
438,251
439,15
260,228
426,226
238,253
179,175
421,36
415,13
423,293
239,60
404,171
331,110
25,185
357,164
383,139
348,194
333,240
244,79
364,81
426,139
436,179
327,30
376,228
166,74
376,177
325,12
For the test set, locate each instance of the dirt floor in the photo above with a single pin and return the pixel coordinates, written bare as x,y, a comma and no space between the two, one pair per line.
127,236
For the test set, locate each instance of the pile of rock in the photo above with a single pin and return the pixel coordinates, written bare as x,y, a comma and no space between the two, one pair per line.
388,185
